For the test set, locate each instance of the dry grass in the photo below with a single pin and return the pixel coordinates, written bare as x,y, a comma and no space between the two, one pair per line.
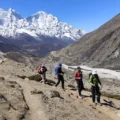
51,82
37,77
117,97
23,77
71,86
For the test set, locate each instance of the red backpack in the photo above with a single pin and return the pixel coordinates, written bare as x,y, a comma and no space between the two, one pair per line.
39,69
78,75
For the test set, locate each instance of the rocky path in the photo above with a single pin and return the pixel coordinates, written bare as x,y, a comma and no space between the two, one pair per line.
111,111
70,107
36,111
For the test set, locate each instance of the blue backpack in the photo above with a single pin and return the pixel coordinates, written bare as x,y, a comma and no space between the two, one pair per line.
56,70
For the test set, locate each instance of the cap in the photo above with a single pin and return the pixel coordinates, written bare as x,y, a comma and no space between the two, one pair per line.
60,64
94,72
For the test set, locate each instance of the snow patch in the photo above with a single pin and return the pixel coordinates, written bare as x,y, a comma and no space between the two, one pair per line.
116,54
1,53
26,31
103,73
67,35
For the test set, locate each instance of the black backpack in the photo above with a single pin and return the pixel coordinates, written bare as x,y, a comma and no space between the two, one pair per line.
44,69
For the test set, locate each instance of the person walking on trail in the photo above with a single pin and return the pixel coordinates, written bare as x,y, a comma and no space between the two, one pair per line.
78,78
42,70
60,76
95,82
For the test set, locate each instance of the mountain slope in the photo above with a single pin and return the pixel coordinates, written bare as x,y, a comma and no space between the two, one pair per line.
6,46
99,48
39,23
39,34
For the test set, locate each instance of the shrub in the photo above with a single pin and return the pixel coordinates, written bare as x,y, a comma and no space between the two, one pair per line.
37,77
71,86
117,97
23,77
2,78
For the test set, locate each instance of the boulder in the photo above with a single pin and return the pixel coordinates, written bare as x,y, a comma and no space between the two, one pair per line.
2,118
52,94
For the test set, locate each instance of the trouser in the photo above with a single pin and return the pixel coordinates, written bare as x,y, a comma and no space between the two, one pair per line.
43,77
60,79
95,91
80,86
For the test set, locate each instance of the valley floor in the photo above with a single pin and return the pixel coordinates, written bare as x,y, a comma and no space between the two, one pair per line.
66,107
42,102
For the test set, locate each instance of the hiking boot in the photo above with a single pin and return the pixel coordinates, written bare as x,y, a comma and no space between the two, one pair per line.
63,89
41,81
95,104
100,104
81,97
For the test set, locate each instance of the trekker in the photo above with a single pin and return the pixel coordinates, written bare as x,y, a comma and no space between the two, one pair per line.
95,82
60,76
42,70
78,78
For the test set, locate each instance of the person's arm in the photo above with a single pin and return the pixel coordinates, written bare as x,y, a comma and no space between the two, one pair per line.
90,80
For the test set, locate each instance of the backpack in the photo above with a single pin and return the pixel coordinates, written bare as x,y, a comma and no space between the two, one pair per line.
56,70
89,75
94,77
39,69
77,74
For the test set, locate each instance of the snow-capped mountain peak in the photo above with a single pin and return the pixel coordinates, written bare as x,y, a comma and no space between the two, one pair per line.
40,23
10,10
12,13
40,13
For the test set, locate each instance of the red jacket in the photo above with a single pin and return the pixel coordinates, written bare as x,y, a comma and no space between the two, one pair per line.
78,75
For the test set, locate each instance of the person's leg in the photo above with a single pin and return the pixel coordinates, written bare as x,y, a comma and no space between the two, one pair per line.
78,86
98,94
44,77
93,94
62,82
81,86
58,81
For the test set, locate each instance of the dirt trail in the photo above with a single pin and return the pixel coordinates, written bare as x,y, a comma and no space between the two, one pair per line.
37,107
36,111
111,112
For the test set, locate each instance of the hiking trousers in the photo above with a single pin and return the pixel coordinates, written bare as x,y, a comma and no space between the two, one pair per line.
79,86
43,77
60,79
95,91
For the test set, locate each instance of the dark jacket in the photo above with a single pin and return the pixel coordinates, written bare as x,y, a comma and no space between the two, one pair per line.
44,69
60,72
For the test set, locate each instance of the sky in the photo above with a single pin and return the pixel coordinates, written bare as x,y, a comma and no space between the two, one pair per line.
85,14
